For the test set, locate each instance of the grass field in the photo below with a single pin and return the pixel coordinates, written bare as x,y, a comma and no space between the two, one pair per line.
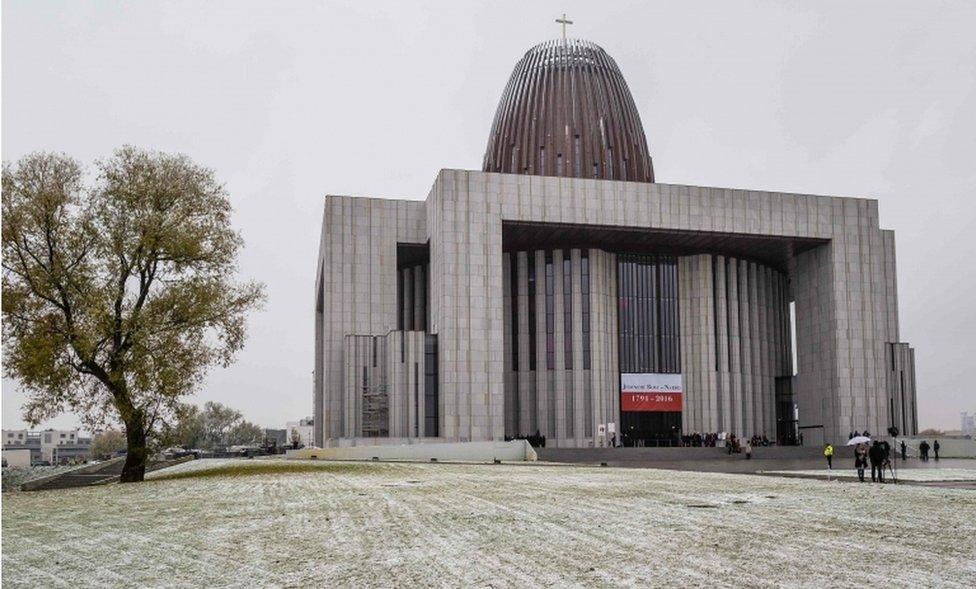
271,523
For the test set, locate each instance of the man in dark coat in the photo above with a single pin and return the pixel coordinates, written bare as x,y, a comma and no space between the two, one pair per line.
876,456
923,451
935,447
860,460
904,454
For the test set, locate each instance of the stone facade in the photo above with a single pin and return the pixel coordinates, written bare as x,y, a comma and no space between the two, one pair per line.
826,255
735,344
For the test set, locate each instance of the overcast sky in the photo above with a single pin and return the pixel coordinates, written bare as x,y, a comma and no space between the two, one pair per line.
289,101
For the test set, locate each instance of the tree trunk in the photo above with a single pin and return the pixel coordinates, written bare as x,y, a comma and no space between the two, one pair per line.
136,456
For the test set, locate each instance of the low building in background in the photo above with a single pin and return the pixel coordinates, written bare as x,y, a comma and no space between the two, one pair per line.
23,440
54,446
19,457
968,424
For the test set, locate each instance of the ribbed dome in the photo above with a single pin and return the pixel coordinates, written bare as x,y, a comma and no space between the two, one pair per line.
567,111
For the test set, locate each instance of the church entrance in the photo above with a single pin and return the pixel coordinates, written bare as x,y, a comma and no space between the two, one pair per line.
650,428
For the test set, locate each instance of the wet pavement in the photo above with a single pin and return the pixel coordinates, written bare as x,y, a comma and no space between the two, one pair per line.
764,459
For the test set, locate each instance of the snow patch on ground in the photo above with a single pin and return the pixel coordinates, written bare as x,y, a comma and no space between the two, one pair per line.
397,524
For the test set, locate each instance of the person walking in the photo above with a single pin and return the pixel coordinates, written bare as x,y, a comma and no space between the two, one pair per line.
860,460
935,447
829,455
876,456
748,450
923,451
904,455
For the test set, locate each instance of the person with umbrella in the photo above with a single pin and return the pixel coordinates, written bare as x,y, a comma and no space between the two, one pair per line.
860,454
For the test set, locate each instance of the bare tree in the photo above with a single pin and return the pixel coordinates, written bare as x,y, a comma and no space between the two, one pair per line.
118,296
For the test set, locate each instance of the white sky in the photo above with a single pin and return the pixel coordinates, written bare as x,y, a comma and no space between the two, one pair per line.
289,101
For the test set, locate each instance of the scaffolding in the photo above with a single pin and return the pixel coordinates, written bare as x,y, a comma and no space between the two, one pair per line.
376,410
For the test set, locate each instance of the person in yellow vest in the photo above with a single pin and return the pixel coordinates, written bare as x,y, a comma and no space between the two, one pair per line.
829,454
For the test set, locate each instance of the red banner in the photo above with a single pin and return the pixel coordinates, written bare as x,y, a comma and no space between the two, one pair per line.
650,401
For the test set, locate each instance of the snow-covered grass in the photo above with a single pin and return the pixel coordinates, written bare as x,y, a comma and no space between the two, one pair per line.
319,524
905,474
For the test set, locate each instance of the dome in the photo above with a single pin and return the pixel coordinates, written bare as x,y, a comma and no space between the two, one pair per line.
567,111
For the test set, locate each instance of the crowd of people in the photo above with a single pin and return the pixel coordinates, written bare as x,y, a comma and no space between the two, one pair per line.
711,440
698,440
535,440
878,455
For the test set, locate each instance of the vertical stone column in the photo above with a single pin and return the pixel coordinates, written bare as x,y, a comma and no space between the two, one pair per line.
686,311
737,416
465,235
406,284
762,308
511,377
598,339
419,298
579,390
696,301
756,348
540,392
773,309
843,323
890,286
816,377
524,374
321,417
559,371
612,372
745,339
724,417
396,377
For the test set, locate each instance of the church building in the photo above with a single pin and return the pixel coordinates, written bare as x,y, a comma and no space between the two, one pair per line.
561,292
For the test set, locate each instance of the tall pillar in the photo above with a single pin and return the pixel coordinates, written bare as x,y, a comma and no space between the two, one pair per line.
511,378
696,301
559,331
736,418
419,298
579,390
724,421
524,375
540,392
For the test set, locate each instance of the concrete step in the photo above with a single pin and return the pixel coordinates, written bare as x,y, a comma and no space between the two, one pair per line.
94,475
76,480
